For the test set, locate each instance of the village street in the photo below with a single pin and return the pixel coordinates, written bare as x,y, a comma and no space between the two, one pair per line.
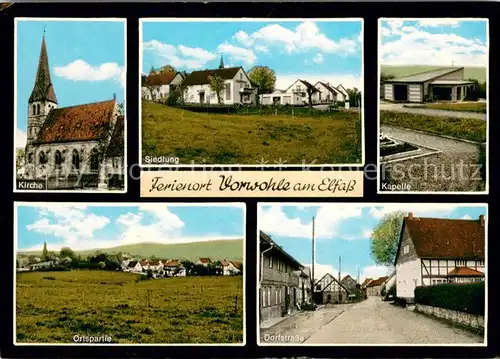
397,107
372,321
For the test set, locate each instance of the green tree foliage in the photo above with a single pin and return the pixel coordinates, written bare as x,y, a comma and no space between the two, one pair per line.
19,157
264,78
217,86
385,77
477,91
354,97
469,298
66,252
167,68
385,238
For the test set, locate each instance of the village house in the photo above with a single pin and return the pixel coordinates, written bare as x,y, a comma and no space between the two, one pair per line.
134,266
329,290
237,87
66,143
302,88
327,93
437,250
366,282
352,286
278,282
157,86
203,262
374,288
173,268
230,267
442,84
305,284
43,265
343,95
281,98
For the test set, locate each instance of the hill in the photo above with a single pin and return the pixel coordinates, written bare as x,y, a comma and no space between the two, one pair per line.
478,73
223,249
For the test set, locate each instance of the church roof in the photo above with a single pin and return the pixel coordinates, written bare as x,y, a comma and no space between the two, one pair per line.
203,77
77,123
43,89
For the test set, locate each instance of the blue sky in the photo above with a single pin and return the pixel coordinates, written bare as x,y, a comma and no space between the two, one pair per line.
342,230
86,60
435,41
312,50
82,226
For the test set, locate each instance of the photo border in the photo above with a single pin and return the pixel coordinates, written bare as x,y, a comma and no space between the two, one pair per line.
125,114
257,19
484,344
242,205
379,68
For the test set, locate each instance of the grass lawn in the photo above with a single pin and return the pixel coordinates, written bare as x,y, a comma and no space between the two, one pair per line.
469,129
52,307
210,138
459,106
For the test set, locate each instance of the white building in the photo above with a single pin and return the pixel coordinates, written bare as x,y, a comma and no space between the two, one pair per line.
436,250
327,93
280,97
237,87
230,267
302,88
343,95
158,86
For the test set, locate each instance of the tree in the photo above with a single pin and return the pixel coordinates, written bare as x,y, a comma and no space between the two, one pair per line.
310,91
385,238
188,265
264,78
66,252
354,97
166,68
217,86
385,77
45,253
19,158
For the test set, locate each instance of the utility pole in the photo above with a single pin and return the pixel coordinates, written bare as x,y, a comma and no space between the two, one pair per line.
340,267
313,258
358,274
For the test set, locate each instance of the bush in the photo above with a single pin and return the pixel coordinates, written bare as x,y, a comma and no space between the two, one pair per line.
468,298
482,161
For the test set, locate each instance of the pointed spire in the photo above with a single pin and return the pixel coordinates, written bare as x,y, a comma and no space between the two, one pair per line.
221,66
43,89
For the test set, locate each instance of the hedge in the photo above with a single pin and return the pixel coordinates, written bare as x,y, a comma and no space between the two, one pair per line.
469,298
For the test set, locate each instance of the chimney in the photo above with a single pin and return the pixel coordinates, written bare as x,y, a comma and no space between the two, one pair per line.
481,220
410,215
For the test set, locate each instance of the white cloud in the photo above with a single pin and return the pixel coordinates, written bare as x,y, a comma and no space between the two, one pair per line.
274,221
79,70
318,59
366,234
21,137
261,48
180,56
348,81
374,272
237,54
466,217
418,209
305,36
414,45
430,22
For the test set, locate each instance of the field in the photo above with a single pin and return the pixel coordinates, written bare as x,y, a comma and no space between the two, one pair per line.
210,138
52,307
224,249
478,73
459,106
469,129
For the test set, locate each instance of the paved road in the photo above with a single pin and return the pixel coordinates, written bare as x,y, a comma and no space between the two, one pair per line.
396,107
439,143
376,322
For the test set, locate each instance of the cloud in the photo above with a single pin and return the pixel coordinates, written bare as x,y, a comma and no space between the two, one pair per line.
261,48
283,81
407,45
439,22
318,59
374,272
306,36
418,209
237,54
79,70
179,56
366,234
273,220
20,140
466,217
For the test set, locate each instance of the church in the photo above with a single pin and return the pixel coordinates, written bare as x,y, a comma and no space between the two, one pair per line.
76,147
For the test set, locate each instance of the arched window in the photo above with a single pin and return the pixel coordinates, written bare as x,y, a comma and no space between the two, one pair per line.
76,160
42,158
38,109
58,160
34,109
30,158
94,160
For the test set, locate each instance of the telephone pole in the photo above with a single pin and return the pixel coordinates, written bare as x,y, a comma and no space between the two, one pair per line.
313,258
358,274
340,267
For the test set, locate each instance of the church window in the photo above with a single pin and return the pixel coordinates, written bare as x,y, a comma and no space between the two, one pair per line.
30,158
34,109
228,91
58,160
76,160
38,109
94,160
42,158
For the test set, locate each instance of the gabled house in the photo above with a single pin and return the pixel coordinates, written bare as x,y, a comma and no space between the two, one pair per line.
134,266
343,95
329,290
437,250
352,285
374,288
174,268
158,86
203,262
230,267
327,93
302,88
43,265
366,282
237,87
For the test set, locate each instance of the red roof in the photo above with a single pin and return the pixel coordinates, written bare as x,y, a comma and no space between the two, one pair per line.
205,260
366,281
236,264
465,272
172,263
162,78
447,238
77,123
377,282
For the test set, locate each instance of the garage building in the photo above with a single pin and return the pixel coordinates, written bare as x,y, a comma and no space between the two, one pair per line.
443,84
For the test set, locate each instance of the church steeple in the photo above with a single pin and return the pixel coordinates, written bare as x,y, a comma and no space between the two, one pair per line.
43,89
221,66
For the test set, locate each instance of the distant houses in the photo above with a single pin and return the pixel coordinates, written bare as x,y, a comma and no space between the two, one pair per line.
158,86
433,251
374,287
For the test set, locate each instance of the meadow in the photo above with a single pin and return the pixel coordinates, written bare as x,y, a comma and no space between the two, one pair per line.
250,139
463,128
52,307
478,73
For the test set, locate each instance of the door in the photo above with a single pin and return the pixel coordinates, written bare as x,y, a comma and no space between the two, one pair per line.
287,298
400,92
202,97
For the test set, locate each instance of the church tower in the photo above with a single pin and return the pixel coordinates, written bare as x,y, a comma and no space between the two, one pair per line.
43,97
221,65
